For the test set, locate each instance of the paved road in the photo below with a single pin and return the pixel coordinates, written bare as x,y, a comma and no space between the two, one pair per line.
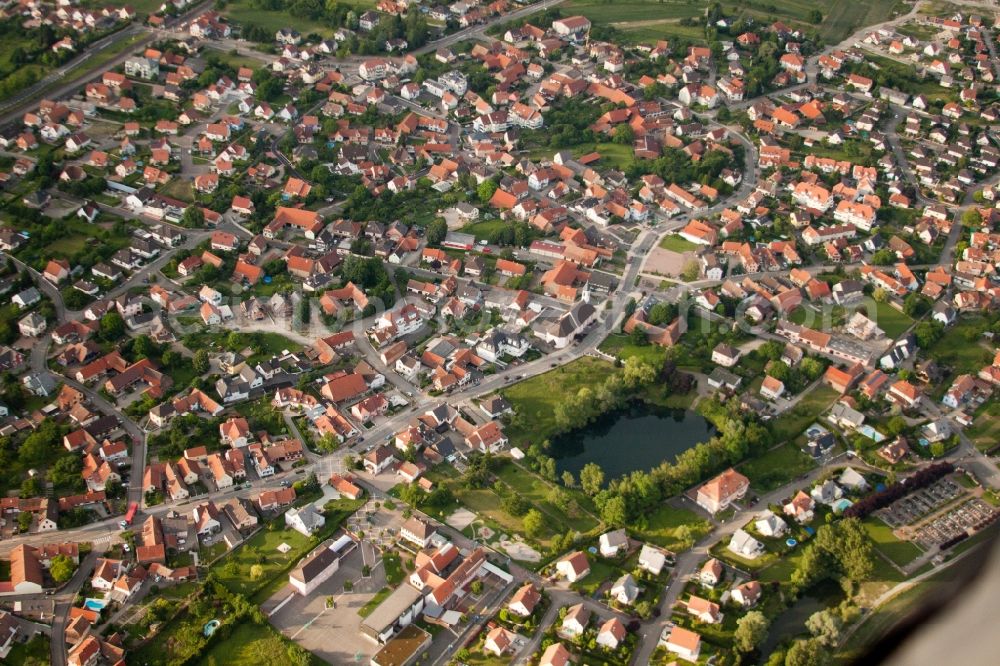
64,601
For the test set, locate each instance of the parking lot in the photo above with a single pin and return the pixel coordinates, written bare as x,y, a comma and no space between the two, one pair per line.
334,633
968,516
913,507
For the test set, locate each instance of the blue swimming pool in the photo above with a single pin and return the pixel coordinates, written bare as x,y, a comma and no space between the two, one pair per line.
94,604
840,505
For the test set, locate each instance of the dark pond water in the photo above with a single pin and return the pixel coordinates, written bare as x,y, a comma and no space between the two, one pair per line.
637,437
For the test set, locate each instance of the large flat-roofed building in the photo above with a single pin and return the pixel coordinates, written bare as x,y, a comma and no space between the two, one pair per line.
397,611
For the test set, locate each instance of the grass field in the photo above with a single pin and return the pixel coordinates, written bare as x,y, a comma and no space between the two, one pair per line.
534,400
891,320
891,613
985,429
900,552
959,347
650,20
482,230
612,154
794,422
661,527
677,244
243,11
535,489
622,346
262,549
777,467
178,188
252,644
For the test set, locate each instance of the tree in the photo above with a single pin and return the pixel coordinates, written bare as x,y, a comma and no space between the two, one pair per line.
881,296
194,217
638,373
624,134
806,653
691,271
112,326
256,572
200,361
638,337
534,523
615,512
62,568
661,314
916,306
825,626
24,521
436,231
567,479
751,630
884,257
972,218
486,190
591,478
895,425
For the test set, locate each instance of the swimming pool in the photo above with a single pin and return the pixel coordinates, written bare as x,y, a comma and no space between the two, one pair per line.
94,604
871,433
841,505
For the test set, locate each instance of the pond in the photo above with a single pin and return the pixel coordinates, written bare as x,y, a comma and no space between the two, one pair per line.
640,436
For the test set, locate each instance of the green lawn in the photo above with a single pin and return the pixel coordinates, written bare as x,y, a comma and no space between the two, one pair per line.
777,467
891,320
662,527
373,603
600,571
677,244
394,573
960,349
900,552
534,399
794,422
